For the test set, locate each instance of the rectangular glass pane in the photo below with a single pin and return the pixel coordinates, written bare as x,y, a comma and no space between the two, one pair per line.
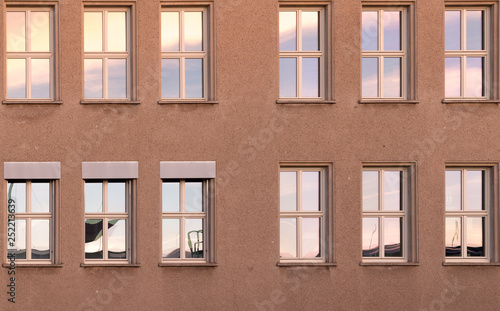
170,73
453,237
93,197
194,238
452,30
117,78
288,77
116,197
310,191
370,31
370,77
17,192
392,237
474,30
40,239
452,77
170,238
370,237
474,77
16,78
170,31
16,31
193,31
117,239
93,78
92,31
310,31
16,242
310,77
288,31
392,77
392,31
117,31
392,190
194,197
370,191
170,197
93,239
194,77
40,78
475,237
453,190
475,191
310,237
288,191
288,238
40,31
40,197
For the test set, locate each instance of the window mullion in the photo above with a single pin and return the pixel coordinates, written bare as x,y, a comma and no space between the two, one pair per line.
182,209
105,77
105,238
299,237
381,246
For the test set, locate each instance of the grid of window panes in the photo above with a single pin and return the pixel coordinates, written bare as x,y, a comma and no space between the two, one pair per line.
466,213
465,53
32,203
29,44
301,214
183,220
106,220
383,53
183,54
384,213
106,54
300,53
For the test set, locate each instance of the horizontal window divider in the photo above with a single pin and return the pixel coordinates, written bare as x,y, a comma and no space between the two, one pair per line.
459,53
36,215
383,53
106,264
384,213
388,263
468,213
388,101
306,264
187,264
23,55
178,54
101,55
25,101
187,101
21,265
470,101
301,53
305,101
109,102
105,215
184,215
301,214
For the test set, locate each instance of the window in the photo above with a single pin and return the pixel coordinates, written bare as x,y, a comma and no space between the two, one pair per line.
107,53
468,213
301,53
305,234
388,214
30,53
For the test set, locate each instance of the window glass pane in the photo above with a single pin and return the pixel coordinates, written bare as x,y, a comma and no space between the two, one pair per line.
16,31
16,78
170,31
117,78
170,72
370,237
452,30
40,31
288,31
92,31
288,191
310,77
392,190
288,238
310,237
117,31
17,192
370,31
392,77
392,31
310,31
475,237
474,77
40,78
474,30
93,239
370,77
117,240
40,197
453,237
194,78
170,197
40,239
288,77
310,191
392,237
193,31
452,77
18,247
116,197
370,190
170,238
474,194
194,238
194,197
93,78
93,197
453,190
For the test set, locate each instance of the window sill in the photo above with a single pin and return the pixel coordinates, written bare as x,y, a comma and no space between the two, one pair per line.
387,264
32,102
109,102
187,264
302,101
470,101
306,264
189,102
388,101
33,265
488,264
104,265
